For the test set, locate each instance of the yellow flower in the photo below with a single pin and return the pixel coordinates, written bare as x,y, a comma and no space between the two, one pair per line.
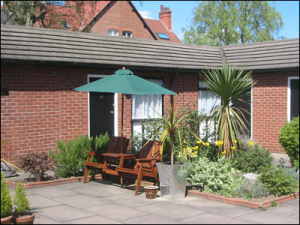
218,143
232,148
196,148
207,144
203,143
194,154
234,141
199,142
224,152
250,143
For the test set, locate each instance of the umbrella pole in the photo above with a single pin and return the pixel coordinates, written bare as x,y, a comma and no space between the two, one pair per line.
122,124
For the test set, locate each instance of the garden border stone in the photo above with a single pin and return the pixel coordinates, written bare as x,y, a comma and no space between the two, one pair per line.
53,182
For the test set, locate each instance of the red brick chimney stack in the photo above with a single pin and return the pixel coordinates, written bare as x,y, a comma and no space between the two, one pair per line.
165,16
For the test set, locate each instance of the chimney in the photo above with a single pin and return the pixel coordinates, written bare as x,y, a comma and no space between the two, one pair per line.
165,16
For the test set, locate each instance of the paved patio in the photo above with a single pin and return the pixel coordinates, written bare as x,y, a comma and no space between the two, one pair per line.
103,202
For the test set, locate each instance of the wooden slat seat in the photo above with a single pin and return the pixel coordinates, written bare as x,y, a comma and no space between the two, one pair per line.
114,147
145,164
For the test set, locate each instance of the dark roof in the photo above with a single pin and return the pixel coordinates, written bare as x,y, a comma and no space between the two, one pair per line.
264,55
157,26
29,44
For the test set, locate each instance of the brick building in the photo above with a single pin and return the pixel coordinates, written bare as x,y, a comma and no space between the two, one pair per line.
41,67
115,18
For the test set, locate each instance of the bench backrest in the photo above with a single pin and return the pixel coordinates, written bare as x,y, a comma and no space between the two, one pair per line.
147,151
114,145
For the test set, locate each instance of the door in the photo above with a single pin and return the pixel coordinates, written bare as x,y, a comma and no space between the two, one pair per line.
101,112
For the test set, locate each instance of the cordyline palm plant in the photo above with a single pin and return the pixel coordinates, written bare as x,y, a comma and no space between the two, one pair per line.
230,85
168,126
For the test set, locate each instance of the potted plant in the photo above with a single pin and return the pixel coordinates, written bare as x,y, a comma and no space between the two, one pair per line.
173,176
6,202
23,215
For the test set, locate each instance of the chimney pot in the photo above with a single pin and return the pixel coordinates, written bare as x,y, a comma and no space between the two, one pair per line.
165,16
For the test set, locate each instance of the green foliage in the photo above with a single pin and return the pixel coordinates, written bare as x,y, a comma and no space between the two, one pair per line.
21,201
248,189
36,163
217,23
99,144
274,203
230,84
292,172
6,202
212,176
277,181
252,159
289,139
70,156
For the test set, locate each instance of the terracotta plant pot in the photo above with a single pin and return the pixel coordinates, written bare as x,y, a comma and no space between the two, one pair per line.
28,219
6,220
151,191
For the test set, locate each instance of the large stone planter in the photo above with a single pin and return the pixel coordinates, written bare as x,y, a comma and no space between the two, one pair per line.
173,179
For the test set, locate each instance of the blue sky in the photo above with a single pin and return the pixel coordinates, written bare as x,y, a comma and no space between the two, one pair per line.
182,14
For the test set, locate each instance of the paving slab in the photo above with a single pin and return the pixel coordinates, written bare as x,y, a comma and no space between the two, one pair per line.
117,212
82,201
63,213
268,218
37,202
153,219
210,218
93,220
172,210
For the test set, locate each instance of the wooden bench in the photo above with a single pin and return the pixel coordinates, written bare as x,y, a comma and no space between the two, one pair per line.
145,164
110,163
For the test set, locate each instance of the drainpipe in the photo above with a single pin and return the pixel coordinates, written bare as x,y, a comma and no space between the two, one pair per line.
171,83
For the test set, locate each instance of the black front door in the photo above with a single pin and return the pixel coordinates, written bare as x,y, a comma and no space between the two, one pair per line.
101,112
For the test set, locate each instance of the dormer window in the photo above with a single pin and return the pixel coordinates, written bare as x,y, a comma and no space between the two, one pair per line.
65,24
127,34
162,36
113,32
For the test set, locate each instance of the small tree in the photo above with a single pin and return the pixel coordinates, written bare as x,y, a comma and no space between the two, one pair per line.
21,200
230,85
6,202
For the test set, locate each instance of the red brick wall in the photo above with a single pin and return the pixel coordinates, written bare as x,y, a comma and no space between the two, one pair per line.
270,96
119,15
42,108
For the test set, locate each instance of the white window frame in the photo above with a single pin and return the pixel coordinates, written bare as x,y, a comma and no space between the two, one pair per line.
113,32
289,97
115,105
251,117
127,32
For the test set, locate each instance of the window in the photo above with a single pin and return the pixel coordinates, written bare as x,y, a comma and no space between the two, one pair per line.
206,102
113,32
65,24
293,97
162,36
143,107
127,34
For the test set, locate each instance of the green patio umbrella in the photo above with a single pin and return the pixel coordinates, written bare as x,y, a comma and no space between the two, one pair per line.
123,81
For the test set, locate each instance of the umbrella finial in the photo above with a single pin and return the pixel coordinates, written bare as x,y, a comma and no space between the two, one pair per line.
123,68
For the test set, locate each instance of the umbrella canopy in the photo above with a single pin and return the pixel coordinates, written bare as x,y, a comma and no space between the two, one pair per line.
125,82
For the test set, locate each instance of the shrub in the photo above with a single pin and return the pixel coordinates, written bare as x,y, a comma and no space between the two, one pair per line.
277,181
99,144
291,172
289,139
211,176
36,163
248,189
21,201
6,201
252,159
70,156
